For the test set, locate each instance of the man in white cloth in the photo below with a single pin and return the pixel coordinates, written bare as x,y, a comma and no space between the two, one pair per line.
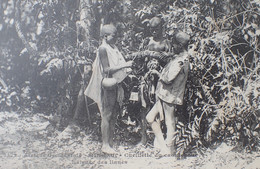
109,69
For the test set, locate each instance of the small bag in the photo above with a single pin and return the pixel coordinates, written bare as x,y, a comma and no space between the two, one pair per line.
134,96
109,83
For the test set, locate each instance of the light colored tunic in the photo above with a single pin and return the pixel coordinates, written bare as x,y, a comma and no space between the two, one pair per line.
94,88
172,82
115,58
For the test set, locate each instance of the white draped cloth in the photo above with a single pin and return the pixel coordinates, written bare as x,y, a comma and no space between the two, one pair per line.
94,88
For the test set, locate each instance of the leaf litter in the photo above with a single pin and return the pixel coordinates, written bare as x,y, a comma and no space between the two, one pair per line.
30,141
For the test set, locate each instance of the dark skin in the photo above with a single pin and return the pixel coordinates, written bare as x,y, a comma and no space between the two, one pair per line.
111,106
157,46
170,118
162,45
110,39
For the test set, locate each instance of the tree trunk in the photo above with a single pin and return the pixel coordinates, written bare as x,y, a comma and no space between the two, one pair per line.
83,36
20,34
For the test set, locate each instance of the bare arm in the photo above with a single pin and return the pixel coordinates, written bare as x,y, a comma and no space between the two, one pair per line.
163,54
105,63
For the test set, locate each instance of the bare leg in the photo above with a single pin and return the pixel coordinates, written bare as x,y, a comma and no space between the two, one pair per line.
170,121
107,116
105,134
156,127
143,125
112,123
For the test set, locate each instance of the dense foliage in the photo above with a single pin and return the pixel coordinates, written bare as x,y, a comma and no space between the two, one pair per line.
44,43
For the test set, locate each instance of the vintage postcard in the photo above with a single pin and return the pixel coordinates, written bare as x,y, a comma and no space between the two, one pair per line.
129,84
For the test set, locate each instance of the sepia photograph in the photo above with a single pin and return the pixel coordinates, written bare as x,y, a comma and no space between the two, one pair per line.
129,84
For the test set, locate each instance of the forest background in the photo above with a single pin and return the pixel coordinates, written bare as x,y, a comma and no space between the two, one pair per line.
45,43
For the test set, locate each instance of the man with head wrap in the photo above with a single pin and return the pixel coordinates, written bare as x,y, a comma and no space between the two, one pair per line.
109,69
169,92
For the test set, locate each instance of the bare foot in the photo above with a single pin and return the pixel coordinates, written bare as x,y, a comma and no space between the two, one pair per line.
163,148
165,151
108,150
156,143
140,144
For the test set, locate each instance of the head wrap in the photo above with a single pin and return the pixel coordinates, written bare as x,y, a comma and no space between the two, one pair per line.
107,29
155,21
182,37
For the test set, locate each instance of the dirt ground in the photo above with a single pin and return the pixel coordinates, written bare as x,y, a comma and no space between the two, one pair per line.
30,141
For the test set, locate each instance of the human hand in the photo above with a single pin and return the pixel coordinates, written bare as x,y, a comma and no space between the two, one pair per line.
129,70
154,71
146,52
128,64
128,56
151,72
